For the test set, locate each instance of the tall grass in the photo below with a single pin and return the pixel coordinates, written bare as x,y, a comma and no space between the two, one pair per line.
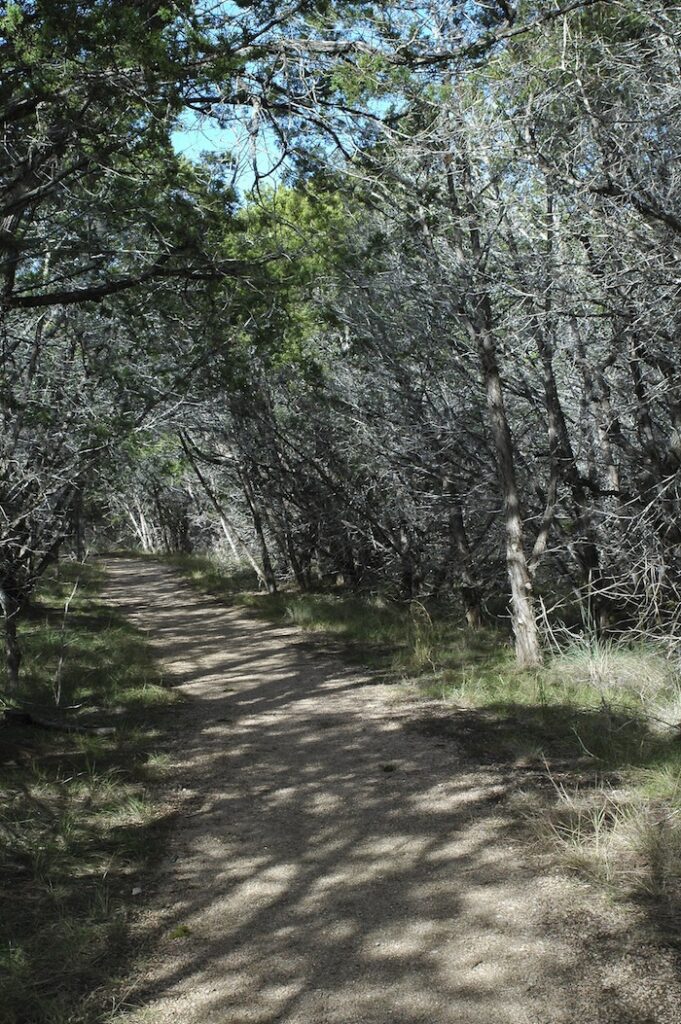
79,821
621,825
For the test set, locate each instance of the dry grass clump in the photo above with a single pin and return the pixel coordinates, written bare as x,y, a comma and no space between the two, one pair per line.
621,838
625,835
614,669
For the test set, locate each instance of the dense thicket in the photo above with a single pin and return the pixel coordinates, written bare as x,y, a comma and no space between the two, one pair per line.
434,351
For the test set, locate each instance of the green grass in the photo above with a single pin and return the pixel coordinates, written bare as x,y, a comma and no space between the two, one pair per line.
208,577
373,629
79,822
403,639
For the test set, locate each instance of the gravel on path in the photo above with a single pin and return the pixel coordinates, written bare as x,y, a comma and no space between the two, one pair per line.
332,865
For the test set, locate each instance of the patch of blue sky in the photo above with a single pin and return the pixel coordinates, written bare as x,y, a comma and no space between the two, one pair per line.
193,140
198,136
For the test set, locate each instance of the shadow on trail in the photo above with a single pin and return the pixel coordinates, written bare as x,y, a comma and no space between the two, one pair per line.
334,864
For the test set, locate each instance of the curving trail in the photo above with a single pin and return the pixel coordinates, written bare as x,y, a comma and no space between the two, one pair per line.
334,865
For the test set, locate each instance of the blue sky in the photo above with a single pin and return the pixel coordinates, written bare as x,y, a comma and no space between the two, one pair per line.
192,141
203,135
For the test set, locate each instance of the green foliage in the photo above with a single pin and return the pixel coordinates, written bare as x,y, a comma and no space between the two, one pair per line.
372,76
295,240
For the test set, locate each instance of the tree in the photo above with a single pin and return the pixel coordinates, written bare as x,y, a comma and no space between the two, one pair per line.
424,349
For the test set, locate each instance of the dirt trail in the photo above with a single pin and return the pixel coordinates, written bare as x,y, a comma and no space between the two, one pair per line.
335,866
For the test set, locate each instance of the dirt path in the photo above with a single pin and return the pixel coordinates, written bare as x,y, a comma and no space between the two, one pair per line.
335,866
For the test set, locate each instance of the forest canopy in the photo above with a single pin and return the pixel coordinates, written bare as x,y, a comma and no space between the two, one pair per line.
411,324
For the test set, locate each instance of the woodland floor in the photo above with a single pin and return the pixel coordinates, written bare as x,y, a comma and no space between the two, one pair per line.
341,857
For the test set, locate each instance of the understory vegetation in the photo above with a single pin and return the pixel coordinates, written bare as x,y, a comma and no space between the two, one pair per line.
80,826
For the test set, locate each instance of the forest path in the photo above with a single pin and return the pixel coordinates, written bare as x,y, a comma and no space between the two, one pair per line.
332,864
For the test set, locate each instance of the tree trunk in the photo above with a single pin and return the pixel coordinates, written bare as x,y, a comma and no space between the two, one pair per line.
140,528
228,537
476,310
294,560
268,570
523,618
78,523
468,588
10,610
266,574
408,569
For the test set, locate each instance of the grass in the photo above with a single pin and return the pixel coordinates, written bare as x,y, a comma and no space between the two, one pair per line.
601,719
621,838
208,576
79,822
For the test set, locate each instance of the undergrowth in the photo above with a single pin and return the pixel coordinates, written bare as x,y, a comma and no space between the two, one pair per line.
79,824
601,719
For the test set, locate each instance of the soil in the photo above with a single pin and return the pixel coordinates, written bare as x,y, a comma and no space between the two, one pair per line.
336,860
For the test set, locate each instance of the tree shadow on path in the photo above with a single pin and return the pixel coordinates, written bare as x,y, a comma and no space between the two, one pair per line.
334,867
